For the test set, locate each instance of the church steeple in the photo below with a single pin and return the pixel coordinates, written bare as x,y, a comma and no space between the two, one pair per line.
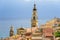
11,31
34,9
34,5
34,20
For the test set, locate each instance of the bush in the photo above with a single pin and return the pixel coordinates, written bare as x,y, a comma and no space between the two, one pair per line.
57,34
59,25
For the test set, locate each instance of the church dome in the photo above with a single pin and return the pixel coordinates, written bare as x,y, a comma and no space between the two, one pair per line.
21,28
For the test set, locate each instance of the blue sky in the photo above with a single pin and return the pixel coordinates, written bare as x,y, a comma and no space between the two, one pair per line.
19,12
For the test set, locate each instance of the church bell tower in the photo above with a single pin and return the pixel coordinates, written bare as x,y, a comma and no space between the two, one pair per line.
34,20
11,31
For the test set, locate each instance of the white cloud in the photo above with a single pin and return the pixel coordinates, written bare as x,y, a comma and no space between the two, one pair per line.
43,0
27,0
50,0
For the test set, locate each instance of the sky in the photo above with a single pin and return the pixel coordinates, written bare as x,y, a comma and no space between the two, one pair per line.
19,12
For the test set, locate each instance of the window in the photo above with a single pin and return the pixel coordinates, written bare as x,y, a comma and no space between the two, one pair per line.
27,38
55,25
34,18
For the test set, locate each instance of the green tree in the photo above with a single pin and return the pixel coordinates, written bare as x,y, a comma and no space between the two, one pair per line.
59,25
57,34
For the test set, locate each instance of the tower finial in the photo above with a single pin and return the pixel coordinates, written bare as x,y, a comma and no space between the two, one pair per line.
34,5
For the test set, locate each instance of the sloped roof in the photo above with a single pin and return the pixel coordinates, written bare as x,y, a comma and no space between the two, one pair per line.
48,32
28,34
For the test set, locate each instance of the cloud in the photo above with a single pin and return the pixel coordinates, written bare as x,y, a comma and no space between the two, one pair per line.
44,1
50,0
27,0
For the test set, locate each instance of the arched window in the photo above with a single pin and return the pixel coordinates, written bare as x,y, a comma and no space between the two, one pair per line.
34,18
27,38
